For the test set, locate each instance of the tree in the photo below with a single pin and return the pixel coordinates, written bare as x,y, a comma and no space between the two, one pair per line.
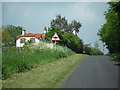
6,38
110,31
67,39
75,25
60,22
87,49
0,37
9,33
51,32
63,25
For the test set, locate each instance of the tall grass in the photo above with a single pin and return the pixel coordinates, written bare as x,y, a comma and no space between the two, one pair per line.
15,60
115,56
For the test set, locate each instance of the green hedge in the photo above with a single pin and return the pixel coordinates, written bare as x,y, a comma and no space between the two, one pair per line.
15,60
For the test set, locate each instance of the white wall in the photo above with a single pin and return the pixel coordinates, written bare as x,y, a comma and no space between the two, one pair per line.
18,44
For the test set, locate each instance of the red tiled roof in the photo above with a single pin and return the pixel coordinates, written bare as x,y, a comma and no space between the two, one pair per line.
31,35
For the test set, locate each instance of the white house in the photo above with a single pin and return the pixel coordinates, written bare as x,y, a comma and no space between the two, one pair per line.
34,38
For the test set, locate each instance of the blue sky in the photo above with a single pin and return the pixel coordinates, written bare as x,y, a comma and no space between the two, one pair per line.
34,16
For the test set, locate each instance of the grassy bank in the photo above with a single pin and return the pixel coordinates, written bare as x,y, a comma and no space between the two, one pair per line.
48,75
115,56
16,60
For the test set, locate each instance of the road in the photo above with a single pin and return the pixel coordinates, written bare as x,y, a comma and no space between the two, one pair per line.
93,72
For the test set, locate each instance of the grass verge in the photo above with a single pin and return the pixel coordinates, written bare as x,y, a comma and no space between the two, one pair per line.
17,60
47,75
115,56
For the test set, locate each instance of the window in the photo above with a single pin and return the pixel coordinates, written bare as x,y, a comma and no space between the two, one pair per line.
22,40
32,40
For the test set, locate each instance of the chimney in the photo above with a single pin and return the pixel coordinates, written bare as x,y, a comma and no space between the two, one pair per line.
23,31
74,32
44,31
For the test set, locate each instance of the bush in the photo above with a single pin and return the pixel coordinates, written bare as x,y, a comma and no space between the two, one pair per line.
67,39
92,51
87,50
96,52
116,56
15,60
73,42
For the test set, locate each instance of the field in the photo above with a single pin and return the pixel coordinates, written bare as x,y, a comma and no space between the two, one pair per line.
16,60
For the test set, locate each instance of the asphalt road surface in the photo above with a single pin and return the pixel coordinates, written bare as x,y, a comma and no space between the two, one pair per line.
93,72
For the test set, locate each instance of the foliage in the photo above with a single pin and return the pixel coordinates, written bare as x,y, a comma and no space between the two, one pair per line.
75,25
0,38
67,39
9,33
64,30
95,51
110,31
51,32
63,24
73,42
29,42
15,60
60,22
92,51
116,56
86,49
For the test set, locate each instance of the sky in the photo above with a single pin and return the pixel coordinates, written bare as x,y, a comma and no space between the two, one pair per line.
34,16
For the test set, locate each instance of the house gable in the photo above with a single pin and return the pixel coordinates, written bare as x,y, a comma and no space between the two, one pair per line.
29,36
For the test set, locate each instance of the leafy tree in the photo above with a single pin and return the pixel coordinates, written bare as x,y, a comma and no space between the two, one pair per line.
73,42
67,39
0,38
86,49
51,32
6,38
95,51
9,33
60,22
75,25
92,50
110,31
63,25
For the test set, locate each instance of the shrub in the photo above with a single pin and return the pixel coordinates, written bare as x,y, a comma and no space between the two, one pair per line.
92,51
116,56
73,42
15,60
87,49
67,39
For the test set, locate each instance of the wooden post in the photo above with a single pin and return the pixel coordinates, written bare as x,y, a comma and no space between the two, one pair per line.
55,44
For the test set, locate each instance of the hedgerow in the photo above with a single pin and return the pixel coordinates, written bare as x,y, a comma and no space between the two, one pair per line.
16,60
